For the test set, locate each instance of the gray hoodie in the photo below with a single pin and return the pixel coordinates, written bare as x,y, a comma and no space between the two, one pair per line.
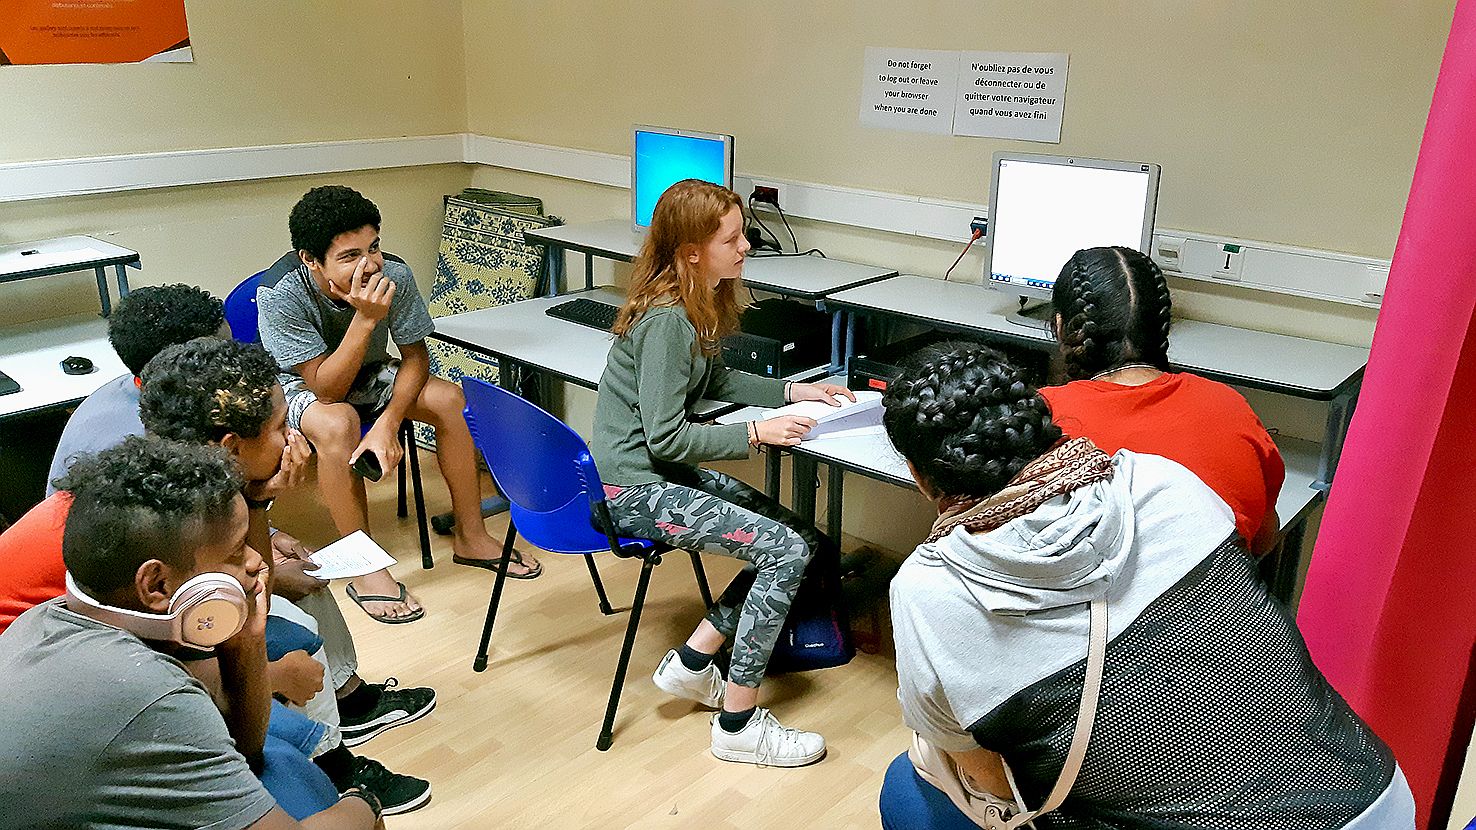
1211,709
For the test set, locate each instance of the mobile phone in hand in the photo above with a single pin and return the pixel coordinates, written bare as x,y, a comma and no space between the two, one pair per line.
367,466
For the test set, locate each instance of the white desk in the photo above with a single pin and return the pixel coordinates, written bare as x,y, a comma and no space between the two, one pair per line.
871,454
807,278
1259,360
522,334
46,257
32,355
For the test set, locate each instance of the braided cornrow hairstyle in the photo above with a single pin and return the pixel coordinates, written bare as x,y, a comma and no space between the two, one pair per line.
1114,309
966,418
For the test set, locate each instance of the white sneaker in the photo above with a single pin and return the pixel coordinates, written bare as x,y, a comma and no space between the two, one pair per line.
705,687
766,743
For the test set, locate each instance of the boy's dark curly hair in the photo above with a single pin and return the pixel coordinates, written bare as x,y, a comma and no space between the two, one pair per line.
325,212
966,418
1115,310
146,498
201,390
153,317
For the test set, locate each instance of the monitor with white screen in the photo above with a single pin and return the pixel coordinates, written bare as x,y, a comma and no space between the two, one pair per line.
1043,209
662,157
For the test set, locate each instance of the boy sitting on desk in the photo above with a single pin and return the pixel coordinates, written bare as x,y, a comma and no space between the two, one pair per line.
327,323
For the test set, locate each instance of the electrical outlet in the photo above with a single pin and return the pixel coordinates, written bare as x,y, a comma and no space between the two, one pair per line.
980,224
764,193
1227,262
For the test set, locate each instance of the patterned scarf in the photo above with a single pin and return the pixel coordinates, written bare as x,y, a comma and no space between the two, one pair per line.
1072,464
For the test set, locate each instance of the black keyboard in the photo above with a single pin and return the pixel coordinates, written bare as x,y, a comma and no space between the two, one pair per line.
586,312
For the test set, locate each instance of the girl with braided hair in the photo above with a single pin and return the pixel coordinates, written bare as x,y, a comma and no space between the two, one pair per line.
1081,636
682,302
1112,317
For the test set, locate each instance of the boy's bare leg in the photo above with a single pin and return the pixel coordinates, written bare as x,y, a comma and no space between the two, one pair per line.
333,430
440,404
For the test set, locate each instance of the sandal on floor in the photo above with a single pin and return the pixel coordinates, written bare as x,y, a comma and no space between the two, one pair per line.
494,564
359,600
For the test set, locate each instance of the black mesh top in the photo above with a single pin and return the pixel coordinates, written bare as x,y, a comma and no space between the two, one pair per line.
1212,716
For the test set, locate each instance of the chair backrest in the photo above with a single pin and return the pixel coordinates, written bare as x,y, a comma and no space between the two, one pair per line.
240,304
543,468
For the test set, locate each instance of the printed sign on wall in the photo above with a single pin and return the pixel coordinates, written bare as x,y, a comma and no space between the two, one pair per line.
909,89
96,31
1011,95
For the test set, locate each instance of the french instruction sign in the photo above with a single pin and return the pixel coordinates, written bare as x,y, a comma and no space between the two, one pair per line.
909,89
1019,95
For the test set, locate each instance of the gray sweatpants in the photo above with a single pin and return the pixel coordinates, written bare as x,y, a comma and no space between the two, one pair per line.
715,513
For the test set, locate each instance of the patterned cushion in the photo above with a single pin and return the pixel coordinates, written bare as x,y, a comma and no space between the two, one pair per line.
483,262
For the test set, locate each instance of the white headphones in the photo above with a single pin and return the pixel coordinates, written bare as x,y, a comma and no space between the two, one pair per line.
205,612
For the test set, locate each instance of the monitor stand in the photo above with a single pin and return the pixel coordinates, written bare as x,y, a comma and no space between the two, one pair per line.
1032,314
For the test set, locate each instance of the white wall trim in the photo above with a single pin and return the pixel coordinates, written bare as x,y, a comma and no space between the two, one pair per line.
1268,266
141,171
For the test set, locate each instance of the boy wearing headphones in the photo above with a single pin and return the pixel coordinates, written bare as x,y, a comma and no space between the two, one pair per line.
157,557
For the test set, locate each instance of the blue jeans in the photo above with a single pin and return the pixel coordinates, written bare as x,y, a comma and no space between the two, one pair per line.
910,803
299,786
284,636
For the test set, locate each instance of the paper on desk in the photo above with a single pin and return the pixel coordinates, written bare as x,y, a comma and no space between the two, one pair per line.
49,259
353,555
865,411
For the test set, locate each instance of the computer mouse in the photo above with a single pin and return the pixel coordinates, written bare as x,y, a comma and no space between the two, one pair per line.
76,365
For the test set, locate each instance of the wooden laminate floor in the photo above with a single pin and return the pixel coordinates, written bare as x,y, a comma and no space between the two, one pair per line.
514,746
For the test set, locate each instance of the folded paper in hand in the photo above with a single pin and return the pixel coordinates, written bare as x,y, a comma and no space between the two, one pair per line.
353,555
835,421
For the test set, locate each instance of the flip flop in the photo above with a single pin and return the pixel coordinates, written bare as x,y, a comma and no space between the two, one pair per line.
360,599
493,564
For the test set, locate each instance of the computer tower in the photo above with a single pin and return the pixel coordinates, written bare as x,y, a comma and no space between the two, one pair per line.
777,338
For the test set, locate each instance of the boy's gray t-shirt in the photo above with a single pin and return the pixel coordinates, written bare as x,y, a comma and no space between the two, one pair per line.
298,323
100,731
103,420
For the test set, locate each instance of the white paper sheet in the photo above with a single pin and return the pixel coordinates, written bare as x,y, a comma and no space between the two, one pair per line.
353,555
864,412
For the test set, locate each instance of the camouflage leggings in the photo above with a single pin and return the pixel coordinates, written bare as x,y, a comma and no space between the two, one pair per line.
714,513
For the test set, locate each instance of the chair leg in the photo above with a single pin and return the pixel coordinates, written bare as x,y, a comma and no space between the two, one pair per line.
607,735
594,574
701,574
407,437
480,663
426,560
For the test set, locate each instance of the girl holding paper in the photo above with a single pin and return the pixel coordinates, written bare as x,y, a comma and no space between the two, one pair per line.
682,302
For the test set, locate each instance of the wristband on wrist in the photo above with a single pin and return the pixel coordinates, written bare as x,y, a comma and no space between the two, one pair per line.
753,437
367,797
789,391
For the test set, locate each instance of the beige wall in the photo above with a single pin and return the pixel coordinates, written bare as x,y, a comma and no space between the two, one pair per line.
264,73
214,235
1287,122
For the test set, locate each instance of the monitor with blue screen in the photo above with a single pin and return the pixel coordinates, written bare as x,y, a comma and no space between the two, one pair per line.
1043,209
663,157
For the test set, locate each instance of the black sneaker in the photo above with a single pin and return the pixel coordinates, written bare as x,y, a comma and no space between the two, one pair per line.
396,793
395,707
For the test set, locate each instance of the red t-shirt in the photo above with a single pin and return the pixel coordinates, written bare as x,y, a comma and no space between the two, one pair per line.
31,567
1204,425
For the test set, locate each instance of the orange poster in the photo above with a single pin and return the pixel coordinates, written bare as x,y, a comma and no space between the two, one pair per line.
93,31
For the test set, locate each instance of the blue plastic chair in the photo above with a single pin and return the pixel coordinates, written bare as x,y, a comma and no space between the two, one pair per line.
557,502
240,314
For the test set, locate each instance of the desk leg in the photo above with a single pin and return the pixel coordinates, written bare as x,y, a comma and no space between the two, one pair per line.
1339,418
833,502
102,290
772,471
837,341
589,271
122,273
803,469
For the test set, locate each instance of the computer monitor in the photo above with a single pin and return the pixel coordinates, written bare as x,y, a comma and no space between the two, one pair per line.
1043,209
662,157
